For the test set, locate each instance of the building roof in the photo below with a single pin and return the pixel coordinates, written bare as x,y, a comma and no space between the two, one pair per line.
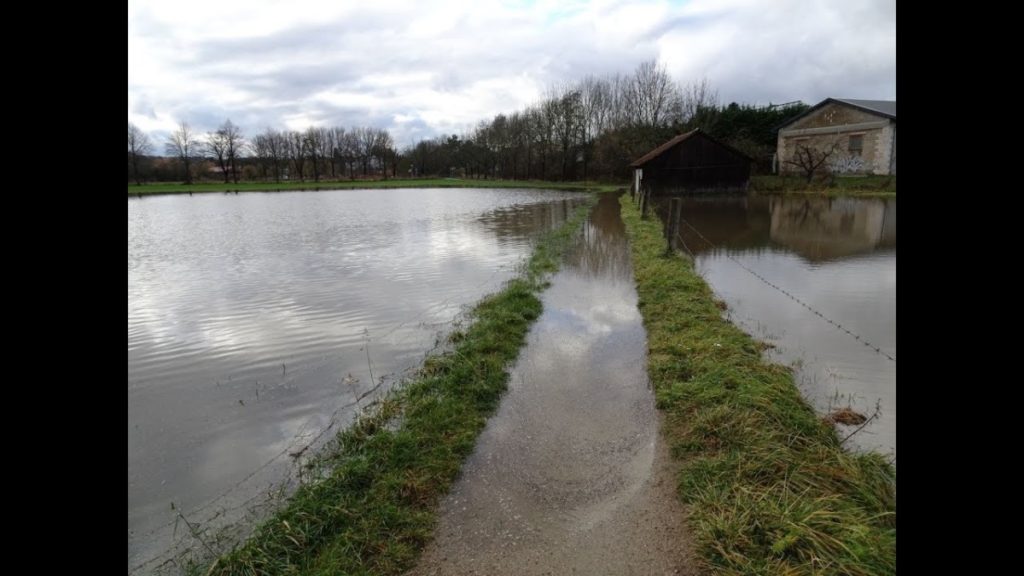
664,147
885,108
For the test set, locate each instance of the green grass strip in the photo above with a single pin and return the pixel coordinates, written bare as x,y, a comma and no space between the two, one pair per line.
770,488
150,189
828,185
375,506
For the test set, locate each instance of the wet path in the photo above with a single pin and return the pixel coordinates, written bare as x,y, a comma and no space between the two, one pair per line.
571,475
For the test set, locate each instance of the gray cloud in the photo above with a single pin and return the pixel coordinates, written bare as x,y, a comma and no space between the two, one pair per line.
436,67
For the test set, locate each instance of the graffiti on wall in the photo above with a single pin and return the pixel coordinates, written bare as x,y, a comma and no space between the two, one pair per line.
846,164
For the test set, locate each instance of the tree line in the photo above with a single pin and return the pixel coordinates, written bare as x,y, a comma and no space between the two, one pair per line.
272,155
589,129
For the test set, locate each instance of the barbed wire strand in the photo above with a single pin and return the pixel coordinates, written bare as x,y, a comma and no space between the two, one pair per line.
864,341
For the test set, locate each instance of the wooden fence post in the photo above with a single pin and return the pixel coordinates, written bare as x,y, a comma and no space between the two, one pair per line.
672,224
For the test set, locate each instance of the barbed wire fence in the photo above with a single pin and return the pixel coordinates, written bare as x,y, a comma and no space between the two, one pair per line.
673,230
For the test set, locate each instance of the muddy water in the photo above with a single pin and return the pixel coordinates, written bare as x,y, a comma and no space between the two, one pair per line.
571,476
255,321
837,256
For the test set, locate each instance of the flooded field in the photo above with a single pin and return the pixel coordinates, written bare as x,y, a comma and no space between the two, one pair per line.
258,324
816,278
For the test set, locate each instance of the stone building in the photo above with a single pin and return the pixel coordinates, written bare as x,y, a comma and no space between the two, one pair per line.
859,137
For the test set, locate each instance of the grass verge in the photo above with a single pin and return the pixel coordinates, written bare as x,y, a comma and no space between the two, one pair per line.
374,507
863,186
770,487
149,189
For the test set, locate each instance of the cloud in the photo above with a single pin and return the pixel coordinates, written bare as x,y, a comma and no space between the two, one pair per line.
440,66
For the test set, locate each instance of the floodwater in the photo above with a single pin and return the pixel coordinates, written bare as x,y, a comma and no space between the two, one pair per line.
571,476
816,278
256,320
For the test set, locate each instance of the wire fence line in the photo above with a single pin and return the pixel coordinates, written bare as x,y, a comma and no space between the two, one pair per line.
783,291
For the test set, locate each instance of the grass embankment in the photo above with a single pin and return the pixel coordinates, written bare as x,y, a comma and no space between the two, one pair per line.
374,509
146,189
864,186
771,489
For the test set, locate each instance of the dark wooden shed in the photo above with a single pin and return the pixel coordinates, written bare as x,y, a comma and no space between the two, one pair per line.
692,163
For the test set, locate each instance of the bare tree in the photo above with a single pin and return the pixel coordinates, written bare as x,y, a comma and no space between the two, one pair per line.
697,96
383,149
367,143
652,95
596,100
488,136
338,139
224,146
328,145
567,127
295,150
138,146
324,143
269,149
350,151
312,140
232,137
619,96
260,148
182,143
517,141
543,132
217,149
809,159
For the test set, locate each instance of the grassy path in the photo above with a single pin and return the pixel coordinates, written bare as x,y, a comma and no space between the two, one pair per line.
771,489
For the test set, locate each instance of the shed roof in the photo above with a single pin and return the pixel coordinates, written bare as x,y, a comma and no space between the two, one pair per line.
684,136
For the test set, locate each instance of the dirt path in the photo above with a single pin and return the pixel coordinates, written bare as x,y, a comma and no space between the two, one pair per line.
571,476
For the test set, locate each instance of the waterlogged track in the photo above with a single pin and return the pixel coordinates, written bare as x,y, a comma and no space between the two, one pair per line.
571,475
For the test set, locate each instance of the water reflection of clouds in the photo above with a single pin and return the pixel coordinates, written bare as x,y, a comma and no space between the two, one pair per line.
244,449
582,313
257,281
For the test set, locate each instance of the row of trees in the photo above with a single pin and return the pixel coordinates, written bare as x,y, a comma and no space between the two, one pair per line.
273,154
594,128
320,152
590,129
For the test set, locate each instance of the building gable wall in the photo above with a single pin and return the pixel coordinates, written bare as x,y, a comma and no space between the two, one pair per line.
833,125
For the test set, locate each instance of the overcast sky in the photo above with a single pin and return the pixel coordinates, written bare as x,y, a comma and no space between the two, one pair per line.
428,67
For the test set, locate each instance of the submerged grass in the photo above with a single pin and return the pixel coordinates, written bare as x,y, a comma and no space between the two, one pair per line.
173,188
771,489
373,508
